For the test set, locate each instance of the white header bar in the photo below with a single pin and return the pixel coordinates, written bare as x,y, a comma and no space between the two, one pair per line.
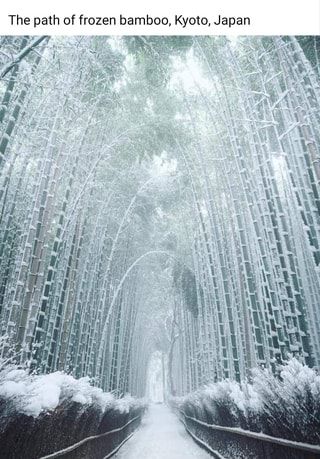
164,17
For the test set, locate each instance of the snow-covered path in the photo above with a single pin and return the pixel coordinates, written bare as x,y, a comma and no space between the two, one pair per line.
161,436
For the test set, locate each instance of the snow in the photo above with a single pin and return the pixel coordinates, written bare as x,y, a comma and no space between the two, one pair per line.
33,394
161,436
243,396
266,399
297,380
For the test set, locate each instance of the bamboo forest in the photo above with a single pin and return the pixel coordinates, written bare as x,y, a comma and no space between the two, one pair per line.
159,247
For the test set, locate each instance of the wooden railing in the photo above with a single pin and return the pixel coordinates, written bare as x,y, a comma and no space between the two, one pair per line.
86,446
232,442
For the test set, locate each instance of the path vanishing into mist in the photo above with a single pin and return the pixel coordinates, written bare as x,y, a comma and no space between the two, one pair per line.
161,436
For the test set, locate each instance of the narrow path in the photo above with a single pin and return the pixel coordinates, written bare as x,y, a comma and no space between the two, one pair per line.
161,436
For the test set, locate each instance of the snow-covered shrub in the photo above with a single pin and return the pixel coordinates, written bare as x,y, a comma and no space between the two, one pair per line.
291,403
40,414
33,394
38,393
287,406
225,403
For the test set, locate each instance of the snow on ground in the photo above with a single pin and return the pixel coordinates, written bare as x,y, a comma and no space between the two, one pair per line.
161,436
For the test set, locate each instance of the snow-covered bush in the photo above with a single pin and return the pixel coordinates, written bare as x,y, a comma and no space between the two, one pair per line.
287,406
291,403
40,414
34,394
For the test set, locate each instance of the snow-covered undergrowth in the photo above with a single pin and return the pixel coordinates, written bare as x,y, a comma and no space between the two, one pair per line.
287,406
35,394
41,414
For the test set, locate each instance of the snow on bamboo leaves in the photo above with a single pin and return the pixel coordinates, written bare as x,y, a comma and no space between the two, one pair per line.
159,194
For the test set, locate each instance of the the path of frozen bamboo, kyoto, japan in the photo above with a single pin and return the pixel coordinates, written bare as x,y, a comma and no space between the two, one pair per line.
159,247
